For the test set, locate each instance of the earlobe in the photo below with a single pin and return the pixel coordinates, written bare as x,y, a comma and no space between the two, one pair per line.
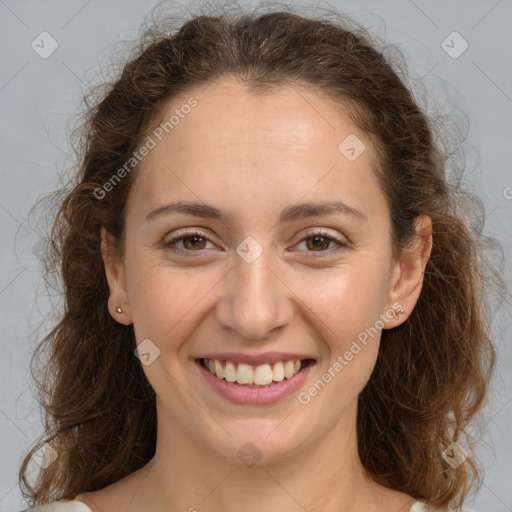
409,270
115,273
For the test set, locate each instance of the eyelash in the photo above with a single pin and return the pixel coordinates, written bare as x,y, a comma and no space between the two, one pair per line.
309,234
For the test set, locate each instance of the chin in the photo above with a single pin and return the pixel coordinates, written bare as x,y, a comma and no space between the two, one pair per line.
254,441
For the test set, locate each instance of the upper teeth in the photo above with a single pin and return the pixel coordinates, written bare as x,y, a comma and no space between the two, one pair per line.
246,374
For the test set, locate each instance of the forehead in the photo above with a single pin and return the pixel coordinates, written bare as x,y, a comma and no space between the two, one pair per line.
251,149
227,113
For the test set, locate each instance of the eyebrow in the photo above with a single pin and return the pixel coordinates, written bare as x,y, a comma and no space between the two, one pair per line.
289,214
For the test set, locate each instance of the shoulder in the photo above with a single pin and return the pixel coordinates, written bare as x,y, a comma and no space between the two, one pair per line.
60,506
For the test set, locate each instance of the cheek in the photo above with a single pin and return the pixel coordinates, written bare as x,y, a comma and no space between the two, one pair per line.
347,308
165,301
347,305
346,301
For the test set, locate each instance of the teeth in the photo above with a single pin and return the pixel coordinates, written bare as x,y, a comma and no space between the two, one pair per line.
219,371
262,375
288,369
244,374
278,372
230,372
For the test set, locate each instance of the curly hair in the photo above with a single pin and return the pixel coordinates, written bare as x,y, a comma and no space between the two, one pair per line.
433,371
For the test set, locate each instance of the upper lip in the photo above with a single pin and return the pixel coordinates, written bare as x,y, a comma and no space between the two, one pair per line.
256,359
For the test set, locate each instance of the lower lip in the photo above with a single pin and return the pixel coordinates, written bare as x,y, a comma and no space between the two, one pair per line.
253,395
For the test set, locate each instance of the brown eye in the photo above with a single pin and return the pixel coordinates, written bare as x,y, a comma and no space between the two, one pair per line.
319,242
196,242
192,242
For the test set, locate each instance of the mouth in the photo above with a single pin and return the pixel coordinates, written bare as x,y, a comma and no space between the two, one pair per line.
265,375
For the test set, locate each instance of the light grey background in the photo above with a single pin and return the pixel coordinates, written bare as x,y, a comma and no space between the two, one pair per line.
38,96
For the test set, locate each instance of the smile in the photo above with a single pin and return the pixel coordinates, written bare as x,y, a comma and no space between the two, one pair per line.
249,384
262,375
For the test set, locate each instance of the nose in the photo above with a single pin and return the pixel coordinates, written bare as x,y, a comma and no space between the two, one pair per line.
255,300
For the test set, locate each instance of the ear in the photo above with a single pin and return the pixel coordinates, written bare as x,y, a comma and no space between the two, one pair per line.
115,271
407,279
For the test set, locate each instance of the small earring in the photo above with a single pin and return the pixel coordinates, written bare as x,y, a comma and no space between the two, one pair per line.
395,316
119,310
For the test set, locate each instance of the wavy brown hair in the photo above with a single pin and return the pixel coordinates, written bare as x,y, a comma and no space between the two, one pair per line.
432,373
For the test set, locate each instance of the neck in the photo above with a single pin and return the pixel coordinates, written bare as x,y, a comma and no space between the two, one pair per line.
327,476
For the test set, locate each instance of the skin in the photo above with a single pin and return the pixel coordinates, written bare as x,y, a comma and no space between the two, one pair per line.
251,157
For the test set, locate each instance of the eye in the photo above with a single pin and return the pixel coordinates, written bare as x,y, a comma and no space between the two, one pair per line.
191,240
319,241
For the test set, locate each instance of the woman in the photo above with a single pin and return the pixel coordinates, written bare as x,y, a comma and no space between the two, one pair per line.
272,299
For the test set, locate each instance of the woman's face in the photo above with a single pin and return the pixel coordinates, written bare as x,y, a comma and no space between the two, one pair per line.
269,279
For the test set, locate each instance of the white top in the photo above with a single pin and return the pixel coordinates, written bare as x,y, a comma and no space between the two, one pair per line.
418,506
78,506
60,506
